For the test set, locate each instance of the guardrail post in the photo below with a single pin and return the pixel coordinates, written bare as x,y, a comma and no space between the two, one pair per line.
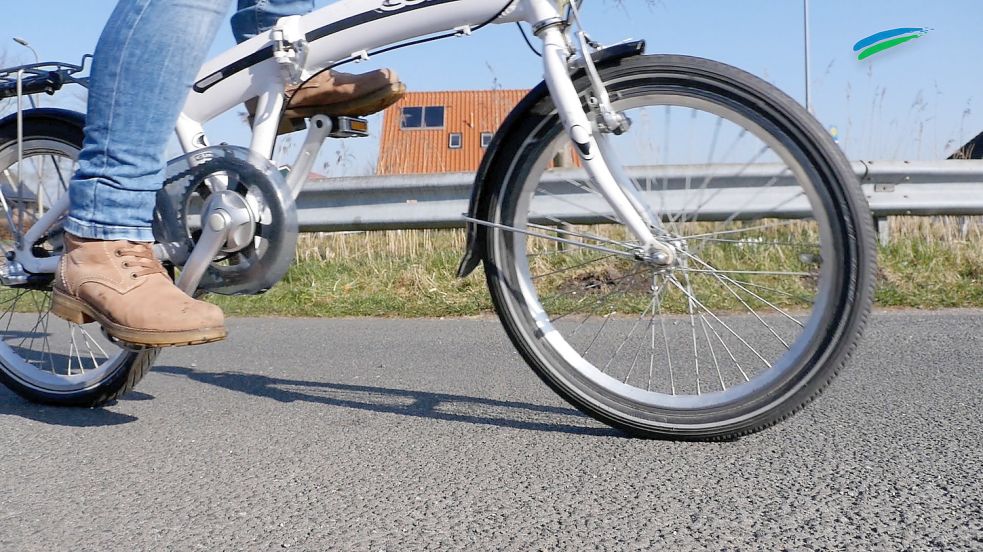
567,228
883,230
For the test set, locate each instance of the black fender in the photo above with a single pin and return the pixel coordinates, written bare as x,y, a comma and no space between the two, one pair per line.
481,193
55,113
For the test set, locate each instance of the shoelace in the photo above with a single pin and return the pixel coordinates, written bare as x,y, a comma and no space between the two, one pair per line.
140,256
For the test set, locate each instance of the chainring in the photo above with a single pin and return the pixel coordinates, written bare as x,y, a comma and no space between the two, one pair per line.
253,264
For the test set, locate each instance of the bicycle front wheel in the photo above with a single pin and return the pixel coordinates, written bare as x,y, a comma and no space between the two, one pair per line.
772,278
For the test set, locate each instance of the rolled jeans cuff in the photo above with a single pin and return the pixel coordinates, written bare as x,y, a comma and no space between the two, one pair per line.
94,231
92,201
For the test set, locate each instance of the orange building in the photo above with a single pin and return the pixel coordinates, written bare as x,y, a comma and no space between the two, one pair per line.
435,132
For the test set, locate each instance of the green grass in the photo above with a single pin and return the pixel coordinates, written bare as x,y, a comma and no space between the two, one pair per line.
928,264
399,274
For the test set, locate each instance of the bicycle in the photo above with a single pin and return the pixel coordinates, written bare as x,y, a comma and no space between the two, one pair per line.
618,277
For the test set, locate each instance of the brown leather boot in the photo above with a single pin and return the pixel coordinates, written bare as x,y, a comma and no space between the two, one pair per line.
123,287
336,94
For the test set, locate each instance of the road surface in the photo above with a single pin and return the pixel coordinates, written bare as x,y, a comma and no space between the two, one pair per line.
433,434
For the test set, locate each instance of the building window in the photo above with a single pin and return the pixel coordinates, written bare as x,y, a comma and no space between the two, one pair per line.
454,140
486,138
431,116
412,117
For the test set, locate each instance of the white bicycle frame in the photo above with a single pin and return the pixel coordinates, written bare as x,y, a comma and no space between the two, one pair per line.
299,46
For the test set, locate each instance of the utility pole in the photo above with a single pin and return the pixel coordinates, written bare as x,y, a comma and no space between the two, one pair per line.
805,24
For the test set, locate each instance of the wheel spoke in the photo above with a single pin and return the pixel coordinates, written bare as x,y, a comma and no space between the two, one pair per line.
713,354
726,348
800,245
46,347
574,267
768,272
89,343
562,199
801,298
626,339
753,312
739,230
12,310
579,234
690,298
724,279
665,340
607,318
598,302
709,178
719,321
551,238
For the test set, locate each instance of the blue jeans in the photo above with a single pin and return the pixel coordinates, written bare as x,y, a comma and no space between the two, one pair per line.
256,16
145,62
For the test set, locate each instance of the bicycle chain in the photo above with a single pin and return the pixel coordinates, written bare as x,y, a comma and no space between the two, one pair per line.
193,169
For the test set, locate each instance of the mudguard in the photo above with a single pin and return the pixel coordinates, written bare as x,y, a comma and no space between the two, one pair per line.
481,193
68,116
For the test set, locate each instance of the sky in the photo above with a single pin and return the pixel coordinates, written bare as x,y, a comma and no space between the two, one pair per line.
917,101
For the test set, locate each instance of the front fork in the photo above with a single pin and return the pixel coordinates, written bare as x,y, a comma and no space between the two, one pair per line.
596,155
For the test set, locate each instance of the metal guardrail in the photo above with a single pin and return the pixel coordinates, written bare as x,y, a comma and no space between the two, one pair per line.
951,187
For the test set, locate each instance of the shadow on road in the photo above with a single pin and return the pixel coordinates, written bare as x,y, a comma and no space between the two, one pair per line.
420,404
13,405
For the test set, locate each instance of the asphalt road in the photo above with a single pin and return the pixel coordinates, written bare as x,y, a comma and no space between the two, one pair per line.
432,434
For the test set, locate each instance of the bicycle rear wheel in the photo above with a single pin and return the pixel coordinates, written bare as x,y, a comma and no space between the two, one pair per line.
773,242
42,357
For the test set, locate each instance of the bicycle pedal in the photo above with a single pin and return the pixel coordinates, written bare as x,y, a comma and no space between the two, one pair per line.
349,127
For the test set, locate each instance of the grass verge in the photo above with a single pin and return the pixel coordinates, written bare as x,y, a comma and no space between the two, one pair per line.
387,274
930,263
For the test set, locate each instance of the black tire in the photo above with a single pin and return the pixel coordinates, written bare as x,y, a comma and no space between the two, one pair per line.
534,301
35,373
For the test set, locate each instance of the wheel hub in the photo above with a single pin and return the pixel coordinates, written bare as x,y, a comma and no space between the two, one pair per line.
664,258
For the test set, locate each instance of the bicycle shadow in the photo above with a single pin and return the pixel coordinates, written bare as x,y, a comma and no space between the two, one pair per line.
417,404
12,404
69,416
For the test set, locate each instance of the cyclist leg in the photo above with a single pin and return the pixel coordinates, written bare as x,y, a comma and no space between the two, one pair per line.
145,61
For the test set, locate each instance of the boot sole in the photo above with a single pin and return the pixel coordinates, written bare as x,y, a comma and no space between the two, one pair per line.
74,310
373,102
293,118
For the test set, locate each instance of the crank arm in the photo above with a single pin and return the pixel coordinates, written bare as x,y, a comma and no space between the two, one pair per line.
214,234
318,130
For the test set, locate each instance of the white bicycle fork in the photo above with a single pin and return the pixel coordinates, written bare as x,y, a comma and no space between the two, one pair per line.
599,160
